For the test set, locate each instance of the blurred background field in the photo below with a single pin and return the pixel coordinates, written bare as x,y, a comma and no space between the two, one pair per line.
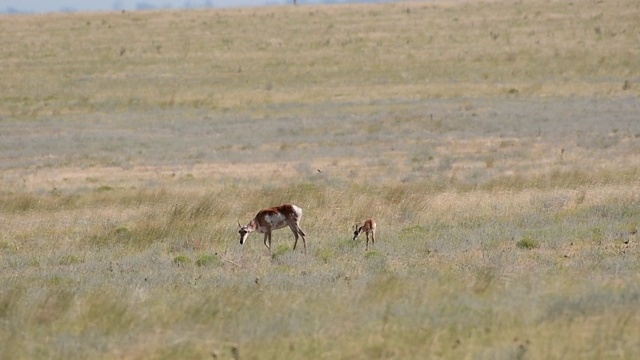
495,143
280,60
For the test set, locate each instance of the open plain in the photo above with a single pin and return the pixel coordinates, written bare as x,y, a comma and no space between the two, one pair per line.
496,143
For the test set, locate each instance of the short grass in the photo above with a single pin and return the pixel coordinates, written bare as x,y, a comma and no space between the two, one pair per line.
495,143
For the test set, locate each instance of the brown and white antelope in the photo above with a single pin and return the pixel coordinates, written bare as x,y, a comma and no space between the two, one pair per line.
369,227
275,218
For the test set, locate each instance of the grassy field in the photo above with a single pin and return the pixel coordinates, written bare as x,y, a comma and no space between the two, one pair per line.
497,144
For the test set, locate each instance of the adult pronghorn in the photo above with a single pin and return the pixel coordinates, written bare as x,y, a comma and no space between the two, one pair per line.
368,227
275,218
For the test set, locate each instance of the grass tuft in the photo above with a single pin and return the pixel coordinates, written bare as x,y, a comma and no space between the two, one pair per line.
208,260
528,243
104,188
182,260
280,251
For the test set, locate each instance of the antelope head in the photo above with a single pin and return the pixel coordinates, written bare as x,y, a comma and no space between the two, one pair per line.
357,229
244,233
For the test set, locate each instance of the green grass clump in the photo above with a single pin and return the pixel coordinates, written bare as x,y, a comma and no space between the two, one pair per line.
528,243
104,188
280,251
182,260
208,260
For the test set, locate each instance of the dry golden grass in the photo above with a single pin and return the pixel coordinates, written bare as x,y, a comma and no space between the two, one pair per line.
495,143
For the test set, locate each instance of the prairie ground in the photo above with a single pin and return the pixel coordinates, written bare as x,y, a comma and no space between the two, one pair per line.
496,144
